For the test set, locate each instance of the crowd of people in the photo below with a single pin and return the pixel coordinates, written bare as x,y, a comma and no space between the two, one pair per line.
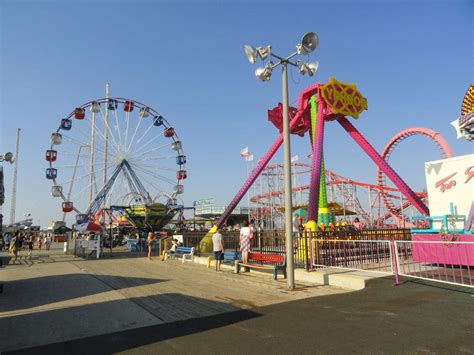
247,233
24,240
299,225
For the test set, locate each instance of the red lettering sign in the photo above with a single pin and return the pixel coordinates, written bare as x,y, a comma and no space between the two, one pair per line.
470,173
444,184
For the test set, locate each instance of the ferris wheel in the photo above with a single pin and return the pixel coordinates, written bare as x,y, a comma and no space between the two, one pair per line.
114,152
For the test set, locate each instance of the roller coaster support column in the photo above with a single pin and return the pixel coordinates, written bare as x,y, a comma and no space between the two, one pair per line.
316,166
383,165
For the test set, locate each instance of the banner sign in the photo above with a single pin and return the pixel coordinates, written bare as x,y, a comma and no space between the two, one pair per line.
343,98
450,180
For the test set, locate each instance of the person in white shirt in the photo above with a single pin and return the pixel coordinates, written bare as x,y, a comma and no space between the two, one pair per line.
171,250
218,247
48,242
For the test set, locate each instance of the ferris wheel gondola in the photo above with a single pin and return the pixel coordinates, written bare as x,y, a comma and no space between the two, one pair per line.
112,148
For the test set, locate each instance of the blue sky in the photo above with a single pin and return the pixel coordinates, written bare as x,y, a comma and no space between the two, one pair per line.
413,60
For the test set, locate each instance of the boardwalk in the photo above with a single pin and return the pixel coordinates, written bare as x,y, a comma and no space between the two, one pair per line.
53,297
57,304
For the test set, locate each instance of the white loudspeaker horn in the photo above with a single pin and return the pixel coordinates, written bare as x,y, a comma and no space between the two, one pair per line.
309,43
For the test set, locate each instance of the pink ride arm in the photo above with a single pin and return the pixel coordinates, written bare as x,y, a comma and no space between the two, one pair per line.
256,172
383,165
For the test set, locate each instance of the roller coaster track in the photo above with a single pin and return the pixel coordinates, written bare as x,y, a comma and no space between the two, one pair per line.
435,137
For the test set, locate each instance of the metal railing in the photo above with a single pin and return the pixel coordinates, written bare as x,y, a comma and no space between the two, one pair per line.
386,251
367,255
273,242
450,262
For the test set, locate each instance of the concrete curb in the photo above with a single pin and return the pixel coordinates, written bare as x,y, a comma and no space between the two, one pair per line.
344,278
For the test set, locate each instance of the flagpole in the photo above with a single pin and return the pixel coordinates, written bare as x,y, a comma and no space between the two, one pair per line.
248,191
244,153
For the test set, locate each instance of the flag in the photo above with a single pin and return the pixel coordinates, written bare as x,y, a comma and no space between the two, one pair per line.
249,158
295,158
244,152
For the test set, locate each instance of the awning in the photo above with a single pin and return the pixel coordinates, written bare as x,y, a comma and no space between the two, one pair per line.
89,227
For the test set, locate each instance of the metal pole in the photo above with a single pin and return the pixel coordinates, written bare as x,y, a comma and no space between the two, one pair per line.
110,235
370,206
248,192
402,222
15,174
106,148
290,281
91,190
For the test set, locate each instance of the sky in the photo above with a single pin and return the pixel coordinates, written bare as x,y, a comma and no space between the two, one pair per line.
412,60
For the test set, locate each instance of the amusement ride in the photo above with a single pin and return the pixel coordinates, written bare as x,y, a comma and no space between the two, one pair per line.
376,204
119,159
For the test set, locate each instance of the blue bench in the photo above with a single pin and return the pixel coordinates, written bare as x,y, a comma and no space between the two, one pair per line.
183,252
231,256
132,245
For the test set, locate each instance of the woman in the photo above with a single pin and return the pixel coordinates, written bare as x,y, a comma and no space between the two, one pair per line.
245,236
171,250
30,245
357,225
14,246
149,241
40,241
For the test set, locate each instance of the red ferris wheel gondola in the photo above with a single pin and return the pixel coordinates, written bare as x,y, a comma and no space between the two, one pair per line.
169,132
51,155
68,206
79,113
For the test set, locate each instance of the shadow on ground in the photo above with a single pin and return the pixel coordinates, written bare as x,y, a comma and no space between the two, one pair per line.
33,292
410,318
177,315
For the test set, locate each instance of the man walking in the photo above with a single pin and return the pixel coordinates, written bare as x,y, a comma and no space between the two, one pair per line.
48,241
218,247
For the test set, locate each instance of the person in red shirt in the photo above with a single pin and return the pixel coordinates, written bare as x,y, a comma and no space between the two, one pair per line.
357,225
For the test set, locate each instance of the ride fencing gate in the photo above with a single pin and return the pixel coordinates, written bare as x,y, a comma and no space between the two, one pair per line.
390,252
450,262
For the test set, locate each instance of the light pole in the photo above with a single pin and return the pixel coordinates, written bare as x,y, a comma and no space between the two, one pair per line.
8,157
308,43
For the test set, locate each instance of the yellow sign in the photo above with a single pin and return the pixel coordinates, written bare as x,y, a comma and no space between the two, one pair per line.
343,98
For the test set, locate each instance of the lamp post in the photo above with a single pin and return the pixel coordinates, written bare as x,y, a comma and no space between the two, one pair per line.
8,157
308,43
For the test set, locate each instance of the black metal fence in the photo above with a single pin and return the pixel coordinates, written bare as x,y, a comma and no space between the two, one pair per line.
273,242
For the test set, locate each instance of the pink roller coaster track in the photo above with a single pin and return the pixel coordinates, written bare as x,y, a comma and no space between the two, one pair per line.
334,179
299,119
264,200
435,137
